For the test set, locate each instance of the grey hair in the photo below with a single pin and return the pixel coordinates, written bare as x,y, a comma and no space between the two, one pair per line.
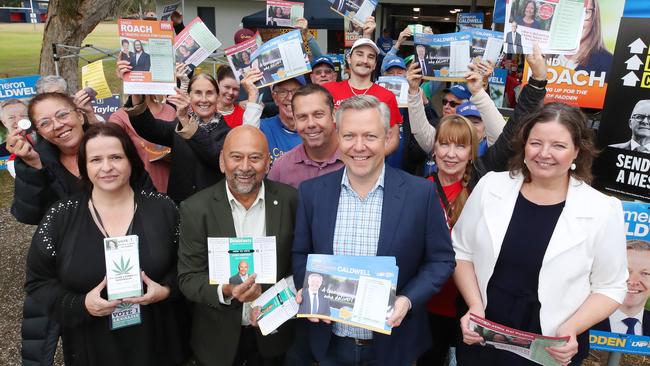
363,102
46,83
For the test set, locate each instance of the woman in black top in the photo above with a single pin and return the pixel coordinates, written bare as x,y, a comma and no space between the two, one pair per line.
66,267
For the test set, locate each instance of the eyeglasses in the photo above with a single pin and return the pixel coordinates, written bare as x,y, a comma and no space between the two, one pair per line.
640,117
283,93
450,102
323,72
61,116
589,13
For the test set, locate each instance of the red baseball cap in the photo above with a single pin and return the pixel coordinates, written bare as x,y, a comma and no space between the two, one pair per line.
243,35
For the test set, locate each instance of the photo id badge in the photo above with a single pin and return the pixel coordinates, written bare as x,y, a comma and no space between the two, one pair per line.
125,315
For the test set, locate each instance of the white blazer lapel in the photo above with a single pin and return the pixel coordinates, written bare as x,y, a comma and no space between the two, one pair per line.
568,230
498,207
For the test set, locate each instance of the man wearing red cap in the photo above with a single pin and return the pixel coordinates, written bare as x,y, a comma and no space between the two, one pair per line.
362,60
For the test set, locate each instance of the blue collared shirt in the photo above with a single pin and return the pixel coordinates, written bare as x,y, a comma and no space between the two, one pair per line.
358,221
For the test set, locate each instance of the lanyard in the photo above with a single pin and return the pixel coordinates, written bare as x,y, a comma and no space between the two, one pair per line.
101,224
441,191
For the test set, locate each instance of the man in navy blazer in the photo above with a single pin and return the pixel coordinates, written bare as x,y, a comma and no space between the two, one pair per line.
369,208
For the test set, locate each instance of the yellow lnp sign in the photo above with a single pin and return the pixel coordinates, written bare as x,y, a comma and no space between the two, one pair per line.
92,76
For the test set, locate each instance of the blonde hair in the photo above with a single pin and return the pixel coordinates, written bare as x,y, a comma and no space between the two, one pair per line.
459,130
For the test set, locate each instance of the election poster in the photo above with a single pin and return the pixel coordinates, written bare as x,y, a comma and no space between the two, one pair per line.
277,305
353,290
280,59
582,79
399,86
356,10
195,43
283,13
497,86
473,20
93,77
627,330
443,56
165,11
22,87
623,166
486,44
147,45
239,55
106,106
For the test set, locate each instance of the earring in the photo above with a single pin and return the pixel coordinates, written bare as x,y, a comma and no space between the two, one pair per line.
525,163
573,166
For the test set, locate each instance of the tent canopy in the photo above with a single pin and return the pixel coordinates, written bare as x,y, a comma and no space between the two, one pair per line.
317,12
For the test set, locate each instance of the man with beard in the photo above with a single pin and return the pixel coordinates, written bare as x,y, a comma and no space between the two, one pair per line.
244,204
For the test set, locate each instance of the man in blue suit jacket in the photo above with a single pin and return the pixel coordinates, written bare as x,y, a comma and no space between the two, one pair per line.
372,209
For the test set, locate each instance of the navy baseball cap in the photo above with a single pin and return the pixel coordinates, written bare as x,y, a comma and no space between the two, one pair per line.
468,109
300,79
392,61
460,91
322,60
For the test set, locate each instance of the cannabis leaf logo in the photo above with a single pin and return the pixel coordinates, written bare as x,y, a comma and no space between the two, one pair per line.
122,268
124,306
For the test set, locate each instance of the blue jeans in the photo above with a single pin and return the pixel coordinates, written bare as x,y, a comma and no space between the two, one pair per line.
346,352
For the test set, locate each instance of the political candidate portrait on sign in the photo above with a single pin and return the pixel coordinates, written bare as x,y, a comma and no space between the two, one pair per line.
140,60
314,300
241,275
632,317
639,123
513,39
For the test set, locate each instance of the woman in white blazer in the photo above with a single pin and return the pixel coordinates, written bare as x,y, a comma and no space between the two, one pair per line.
537,248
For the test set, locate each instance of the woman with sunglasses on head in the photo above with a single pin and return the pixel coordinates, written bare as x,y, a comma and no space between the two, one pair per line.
66,267
455,150
48,171
195,138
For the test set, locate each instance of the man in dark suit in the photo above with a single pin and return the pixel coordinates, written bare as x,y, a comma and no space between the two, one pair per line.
140,60
314,300
639,123
241,275
632,317
421,52
372,209
243,204
513,40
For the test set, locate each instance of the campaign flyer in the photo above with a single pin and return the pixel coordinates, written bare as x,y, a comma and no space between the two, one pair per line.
239,55
283,13
22,87
281,58
232,260
195,43
92,76
354,290
399,86
443,56
122,267
277,305
527,345
356,10
486,44
148,46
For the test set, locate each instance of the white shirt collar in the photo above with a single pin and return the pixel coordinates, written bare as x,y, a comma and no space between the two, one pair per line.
635,144
616,320
233,201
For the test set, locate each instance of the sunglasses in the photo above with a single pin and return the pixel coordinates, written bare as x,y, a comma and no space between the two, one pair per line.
450,102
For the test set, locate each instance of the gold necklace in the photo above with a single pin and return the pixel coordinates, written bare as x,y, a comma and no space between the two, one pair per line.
353,92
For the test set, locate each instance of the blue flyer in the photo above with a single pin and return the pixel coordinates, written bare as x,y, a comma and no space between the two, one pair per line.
23,87
354,290
281,58
443,56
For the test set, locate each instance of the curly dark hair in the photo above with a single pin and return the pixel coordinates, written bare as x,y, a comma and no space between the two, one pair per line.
573,120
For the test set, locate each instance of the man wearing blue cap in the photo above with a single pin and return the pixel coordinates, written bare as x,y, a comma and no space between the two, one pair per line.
470,111
393,66
322,71
453,97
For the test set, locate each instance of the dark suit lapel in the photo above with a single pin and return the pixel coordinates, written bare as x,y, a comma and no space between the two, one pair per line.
222,213
273,211
391,210
329,205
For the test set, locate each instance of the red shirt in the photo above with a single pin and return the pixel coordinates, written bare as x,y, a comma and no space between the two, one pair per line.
341,90
236,117
444,302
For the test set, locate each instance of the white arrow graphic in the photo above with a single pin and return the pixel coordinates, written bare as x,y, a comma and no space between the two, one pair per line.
630,79
634,63
637,46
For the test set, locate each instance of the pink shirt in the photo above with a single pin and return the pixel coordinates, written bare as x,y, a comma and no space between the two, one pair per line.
295,167
151,154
